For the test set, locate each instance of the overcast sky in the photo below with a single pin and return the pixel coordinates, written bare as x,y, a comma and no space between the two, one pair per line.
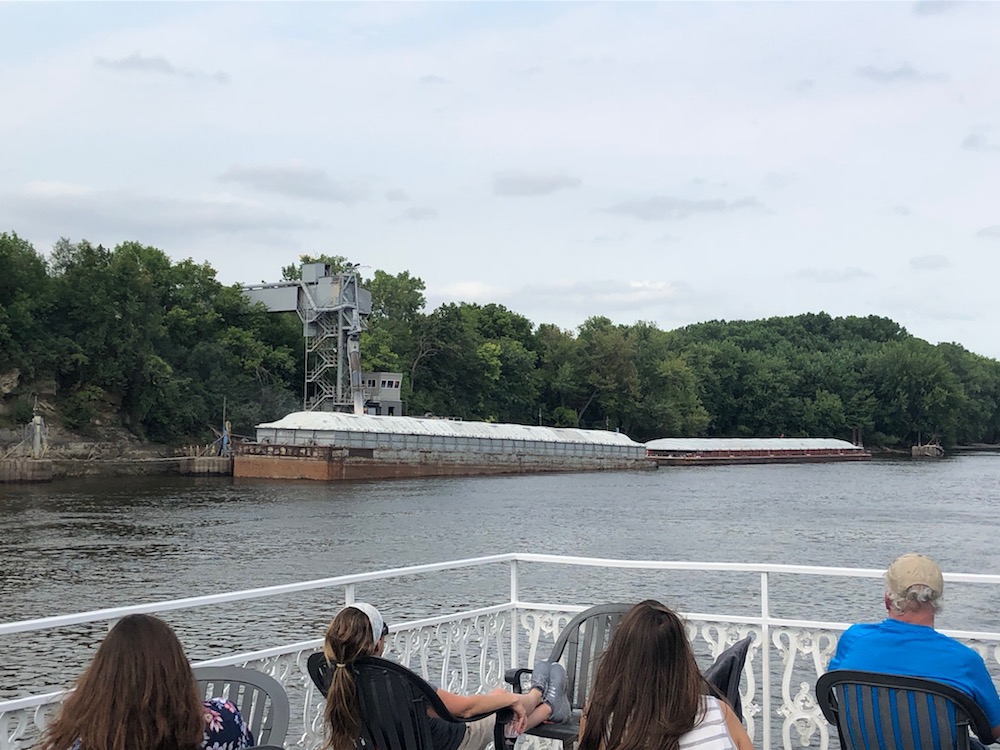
668,162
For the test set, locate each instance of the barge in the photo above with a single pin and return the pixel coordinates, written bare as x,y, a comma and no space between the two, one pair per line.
329,446
714,451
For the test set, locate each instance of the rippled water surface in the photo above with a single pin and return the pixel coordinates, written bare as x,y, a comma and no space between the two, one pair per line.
82,545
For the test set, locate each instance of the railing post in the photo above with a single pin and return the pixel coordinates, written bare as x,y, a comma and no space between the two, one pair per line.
349,594
515,597
765,661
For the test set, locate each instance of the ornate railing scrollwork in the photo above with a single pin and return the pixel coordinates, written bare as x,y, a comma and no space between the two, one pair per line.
802,718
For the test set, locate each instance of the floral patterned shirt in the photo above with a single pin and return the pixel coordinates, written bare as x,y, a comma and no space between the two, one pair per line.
225,728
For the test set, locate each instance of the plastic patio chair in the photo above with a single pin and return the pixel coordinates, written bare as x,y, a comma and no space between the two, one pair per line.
260,699
724,675
894,712
393,702
578,648
583,641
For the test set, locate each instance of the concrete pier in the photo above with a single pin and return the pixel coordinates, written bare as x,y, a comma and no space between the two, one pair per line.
207,465
25,470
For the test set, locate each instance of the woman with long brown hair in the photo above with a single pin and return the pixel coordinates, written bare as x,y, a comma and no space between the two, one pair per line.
649,694
359,630
140,692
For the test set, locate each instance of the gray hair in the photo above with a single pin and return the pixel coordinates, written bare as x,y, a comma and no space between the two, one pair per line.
913,597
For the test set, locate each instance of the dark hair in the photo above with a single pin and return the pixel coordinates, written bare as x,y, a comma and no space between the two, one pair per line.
138,692
348,637
647,690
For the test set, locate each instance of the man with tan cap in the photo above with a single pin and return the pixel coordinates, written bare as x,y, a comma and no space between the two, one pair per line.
906,643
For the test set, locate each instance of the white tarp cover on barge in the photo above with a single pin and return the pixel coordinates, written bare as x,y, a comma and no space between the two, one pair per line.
703,445
334,445
322,428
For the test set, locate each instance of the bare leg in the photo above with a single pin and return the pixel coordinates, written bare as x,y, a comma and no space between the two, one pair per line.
537,711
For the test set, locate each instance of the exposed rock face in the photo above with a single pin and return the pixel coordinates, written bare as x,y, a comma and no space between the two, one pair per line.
106,446
9,381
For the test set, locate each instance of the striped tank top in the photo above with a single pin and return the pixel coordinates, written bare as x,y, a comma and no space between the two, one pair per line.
711,733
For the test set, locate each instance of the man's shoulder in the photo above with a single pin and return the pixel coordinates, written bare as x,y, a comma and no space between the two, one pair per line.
861,629
895,630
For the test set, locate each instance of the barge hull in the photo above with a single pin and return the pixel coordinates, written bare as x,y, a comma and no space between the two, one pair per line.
329,464
729,460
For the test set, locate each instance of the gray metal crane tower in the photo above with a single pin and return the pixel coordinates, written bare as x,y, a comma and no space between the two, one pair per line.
333,309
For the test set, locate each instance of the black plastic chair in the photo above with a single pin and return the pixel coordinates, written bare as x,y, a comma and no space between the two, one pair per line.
393,702
724,675
894,712
260,699
578,648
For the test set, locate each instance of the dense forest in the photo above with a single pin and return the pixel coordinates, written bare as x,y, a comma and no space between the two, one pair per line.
163,346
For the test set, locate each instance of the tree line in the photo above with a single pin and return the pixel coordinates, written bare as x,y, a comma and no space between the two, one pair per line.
164,345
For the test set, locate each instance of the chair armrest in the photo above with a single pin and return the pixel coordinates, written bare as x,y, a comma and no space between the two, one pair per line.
503,715
513,677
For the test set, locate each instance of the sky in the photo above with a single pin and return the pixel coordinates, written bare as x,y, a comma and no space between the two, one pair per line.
672,162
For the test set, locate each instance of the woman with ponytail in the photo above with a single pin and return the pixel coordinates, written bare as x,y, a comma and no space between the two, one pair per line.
359,630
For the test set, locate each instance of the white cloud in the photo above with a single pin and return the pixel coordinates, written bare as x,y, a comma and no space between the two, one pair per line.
668,208
113,216
519,183
419,213
833,275
937,7
930,263
904,73
979,142
136,63
467,291
297,182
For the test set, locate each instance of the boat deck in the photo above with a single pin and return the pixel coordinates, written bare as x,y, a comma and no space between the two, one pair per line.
468,650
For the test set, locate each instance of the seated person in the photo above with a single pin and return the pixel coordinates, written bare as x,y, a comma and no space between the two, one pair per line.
359,630
649,693
906,643
140,692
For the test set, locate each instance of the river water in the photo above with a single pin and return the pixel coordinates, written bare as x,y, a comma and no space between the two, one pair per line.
79,545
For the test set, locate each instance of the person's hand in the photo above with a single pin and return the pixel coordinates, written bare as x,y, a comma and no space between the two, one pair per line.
520,719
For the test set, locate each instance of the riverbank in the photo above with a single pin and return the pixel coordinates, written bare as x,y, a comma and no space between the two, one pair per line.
108,452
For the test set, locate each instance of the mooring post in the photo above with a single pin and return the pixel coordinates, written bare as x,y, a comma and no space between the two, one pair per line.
36,437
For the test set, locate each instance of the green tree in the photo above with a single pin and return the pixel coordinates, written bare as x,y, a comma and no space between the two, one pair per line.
918,396
612,377
26,342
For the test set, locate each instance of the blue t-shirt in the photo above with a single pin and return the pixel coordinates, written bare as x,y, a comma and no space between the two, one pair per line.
895,647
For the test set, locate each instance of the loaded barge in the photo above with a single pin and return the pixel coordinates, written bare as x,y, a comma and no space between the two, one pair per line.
330,446
715,451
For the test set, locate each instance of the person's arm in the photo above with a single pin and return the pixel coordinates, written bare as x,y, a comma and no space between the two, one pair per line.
465,706
983,692
736,729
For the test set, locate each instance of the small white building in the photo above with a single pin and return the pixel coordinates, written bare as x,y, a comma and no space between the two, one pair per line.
383,393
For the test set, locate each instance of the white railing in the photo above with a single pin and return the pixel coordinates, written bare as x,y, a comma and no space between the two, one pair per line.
469,650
